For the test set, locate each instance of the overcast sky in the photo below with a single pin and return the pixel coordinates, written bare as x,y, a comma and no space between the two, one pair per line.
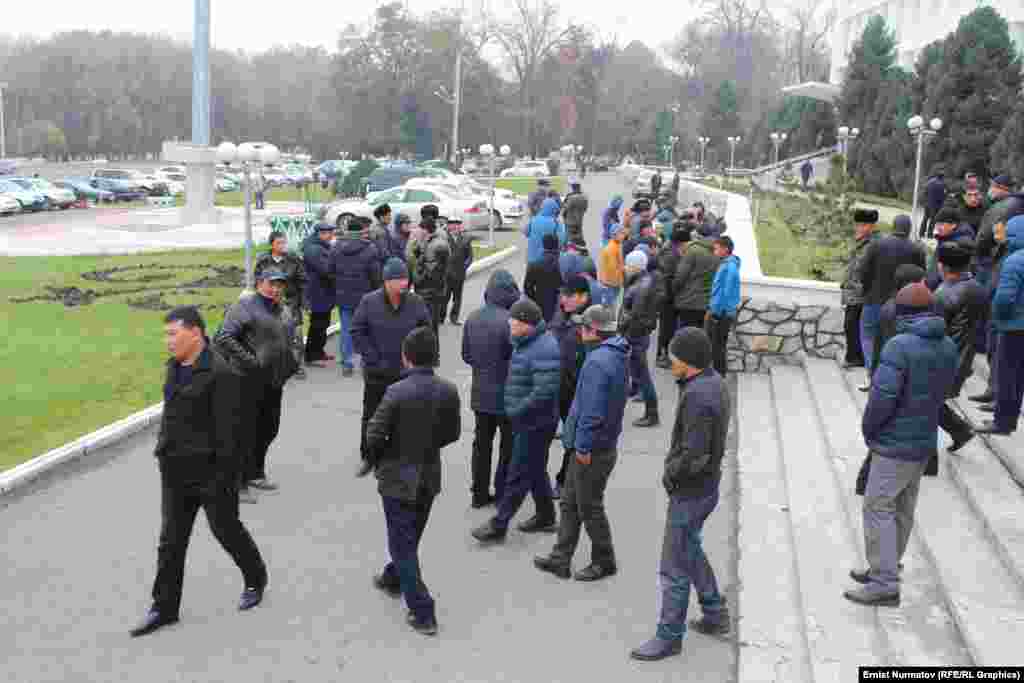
253,25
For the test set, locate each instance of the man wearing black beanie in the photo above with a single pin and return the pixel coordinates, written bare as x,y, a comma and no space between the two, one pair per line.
693,473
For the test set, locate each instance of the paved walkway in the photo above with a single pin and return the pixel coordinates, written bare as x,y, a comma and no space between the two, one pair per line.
79,556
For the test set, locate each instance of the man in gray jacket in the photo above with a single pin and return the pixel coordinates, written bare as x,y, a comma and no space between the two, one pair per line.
573,210
254,340
693,473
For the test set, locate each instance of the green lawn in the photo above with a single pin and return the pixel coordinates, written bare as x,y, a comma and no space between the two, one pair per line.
528,185
69,370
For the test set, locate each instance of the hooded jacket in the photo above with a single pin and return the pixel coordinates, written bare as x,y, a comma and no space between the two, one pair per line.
316,259
962,304
486,345
378,330
544,223
609,218
725,289
694,277
913,379
962,233
355,266
595,418
1008,302
534,377
542,282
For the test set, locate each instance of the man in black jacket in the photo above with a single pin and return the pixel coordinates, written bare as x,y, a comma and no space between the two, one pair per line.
420,415
640,307
431,255
693,473
544,278
461,246
668,263
280,259
254,339
197,450
382,320
962,302
487,348
316,259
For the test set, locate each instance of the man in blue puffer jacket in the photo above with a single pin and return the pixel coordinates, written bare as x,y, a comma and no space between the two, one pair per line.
592,432
531,405
1008,320
544,223
900,427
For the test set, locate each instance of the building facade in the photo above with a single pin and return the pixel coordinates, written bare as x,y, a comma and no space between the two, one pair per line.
915,22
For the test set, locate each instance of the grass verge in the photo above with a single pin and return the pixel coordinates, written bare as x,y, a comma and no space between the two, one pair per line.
69,370
527,185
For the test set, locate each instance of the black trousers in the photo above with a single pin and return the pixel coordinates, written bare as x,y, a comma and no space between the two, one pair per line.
454,295
316,339
953,424
374,387
717,330
406,521
582,505
436,304
688,317
925,230
483,450
666,326
851,328
265,421
179,503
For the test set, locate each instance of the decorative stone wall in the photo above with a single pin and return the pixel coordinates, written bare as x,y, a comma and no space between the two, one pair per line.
767,333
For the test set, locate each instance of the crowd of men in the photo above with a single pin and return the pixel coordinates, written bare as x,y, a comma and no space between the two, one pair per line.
916,323
569,347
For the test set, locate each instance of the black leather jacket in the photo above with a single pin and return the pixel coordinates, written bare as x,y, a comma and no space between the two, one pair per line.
962,304
254,339
641,306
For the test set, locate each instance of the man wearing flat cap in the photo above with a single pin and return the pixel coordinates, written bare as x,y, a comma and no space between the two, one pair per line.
949,228
864,221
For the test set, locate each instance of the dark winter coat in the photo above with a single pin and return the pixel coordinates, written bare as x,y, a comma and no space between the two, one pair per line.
985,247
914,377
542,282
418,416
878,268
595,418
694,276
574,208
316,259
668,264
852,292
566,330
487,345
1008,300
571,263
255,341
397,243
962,304
291,265
378,330
355,265
432,258
460,257
200,428
641,306
962,233
693,466
380,237
973,216
534,378
935,193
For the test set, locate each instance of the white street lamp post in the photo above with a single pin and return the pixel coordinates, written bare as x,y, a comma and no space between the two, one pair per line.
917,129
3,134
487,150
846,135
247,153
703,146
777,140
672,140
733,141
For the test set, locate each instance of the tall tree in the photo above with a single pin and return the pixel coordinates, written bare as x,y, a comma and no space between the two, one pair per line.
1008,149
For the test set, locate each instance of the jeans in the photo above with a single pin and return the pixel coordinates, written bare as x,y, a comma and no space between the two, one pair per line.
179,503
316,339
374,386
889,502
259,200
406,521
869,317
483,448
528,473
639,370
345,337
717,330
851,327
264,402
582,504
683,562
1010,383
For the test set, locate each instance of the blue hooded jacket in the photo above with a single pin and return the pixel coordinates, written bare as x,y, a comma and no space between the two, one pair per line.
609,218
534,380
1008,302
486,345
913,379
546,222
595,419
570,263
725,289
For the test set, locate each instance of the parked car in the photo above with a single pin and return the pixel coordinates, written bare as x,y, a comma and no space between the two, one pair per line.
128,178
409,200
387,177
470,166
274,177
58,197
298,174
508,207
643,183
175,182
9,205
527,169
28,199
123,190
83,190
172,169
226,182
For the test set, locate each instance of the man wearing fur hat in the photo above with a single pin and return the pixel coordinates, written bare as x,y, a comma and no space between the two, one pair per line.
864,221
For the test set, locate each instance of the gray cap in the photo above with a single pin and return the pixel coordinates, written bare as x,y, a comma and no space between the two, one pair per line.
600,318
271,274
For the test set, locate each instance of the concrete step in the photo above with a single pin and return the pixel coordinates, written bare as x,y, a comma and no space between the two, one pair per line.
1009,449
770,629
921,632
841,635
980,592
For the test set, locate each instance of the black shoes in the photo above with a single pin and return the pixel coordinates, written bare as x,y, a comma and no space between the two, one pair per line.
250,598
990,427
984,397
650,418
863,596
482,501
546,564
663,361
264,484
538,524
153,620
595,572
387,586
850,366
427,627
456,322
861,575
959,443
489,533
365,467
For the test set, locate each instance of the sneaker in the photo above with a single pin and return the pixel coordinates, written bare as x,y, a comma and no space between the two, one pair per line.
250,598
863,596
545,563
387,586
153,620
427,627
657,648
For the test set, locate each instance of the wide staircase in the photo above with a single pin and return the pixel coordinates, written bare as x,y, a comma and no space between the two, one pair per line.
800,532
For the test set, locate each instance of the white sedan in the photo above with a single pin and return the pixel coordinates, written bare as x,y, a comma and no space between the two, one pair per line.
409,200
9,205
507,205
527,169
